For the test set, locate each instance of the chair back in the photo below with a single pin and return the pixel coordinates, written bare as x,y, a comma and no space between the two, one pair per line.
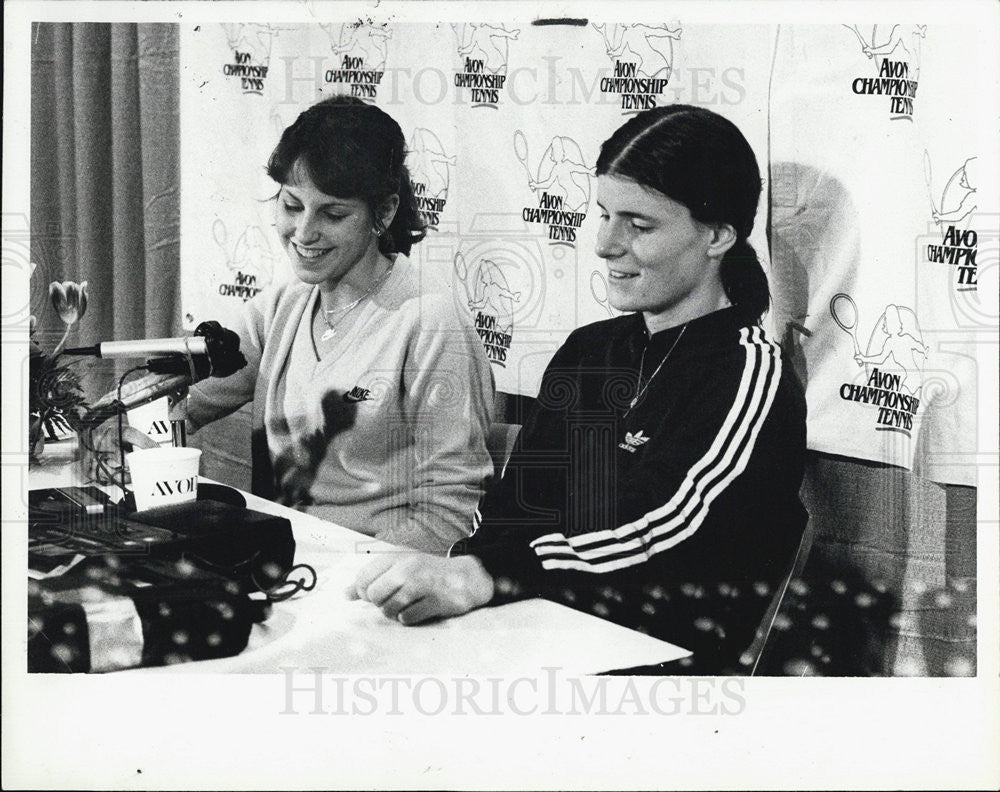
500,442
510,411
752,656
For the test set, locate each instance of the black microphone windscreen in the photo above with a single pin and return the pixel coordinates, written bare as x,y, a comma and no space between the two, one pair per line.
223,348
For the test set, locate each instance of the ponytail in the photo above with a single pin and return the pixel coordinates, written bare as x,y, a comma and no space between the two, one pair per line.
744,281
407,226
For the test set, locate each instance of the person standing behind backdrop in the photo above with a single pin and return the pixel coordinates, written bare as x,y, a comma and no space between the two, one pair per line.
372,394
661,466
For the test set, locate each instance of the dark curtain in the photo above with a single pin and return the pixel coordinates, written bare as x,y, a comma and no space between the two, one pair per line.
104,179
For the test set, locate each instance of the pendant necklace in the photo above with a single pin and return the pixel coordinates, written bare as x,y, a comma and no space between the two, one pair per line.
331,326
642,361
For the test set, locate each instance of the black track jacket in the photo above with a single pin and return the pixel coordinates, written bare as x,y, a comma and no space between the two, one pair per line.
663,515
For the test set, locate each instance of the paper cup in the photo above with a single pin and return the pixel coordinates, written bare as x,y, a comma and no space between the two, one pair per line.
164,476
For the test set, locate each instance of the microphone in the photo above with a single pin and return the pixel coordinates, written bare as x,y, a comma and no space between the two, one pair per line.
151,347
213,350
170,373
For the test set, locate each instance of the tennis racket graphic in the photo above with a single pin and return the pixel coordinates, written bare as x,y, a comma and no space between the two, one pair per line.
861,39
521,152
845,314
461,268
220,235
599,288
927,180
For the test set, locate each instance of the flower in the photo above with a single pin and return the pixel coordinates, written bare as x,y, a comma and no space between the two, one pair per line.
69,299
56,401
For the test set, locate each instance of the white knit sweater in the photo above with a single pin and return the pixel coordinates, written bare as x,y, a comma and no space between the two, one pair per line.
386,434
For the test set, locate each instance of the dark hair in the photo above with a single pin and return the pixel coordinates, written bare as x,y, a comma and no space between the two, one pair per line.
700,159
352,149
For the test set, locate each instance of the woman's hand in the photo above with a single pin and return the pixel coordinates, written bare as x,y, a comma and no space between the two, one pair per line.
415,587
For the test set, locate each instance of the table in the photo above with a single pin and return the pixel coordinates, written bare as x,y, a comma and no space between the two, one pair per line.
323,629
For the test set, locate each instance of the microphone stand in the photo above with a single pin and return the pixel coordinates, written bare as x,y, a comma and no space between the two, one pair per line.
135,394
177,413
170,374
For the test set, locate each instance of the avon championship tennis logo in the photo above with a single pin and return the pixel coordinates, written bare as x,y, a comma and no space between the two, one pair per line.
248,258
483,50
492,303
561,182
251,48
954,211
430,173
895,52
360,52
893,360
642,60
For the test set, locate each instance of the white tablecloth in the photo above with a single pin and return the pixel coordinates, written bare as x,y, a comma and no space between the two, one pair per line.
323,629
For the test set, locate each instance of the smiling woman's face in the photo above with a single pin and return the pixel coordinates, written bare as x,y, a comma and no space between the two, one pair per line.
324,236
657,255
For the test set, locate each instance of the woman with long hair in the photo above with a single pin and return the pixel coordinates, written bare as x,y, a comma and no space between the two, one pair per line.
371,393
673,436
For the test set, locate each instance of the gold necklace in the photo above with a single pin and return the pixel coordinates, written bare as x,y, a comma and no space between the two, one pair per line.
642,362
331,327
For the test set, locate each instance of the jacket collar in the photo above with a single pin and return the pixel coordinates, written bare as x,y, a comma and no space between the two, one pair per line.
710,325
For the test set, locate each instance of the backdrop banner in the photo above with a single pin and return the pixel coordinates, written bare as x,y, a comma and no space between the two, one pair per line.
878,230
504,124
873,170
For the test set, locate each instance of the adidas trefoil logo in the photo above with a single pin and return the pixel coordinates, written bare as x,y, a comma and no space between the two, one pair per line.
633,441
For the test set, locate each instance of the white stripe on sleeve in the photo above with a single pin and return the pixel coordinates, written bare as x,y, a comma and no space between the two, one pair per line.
683,513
